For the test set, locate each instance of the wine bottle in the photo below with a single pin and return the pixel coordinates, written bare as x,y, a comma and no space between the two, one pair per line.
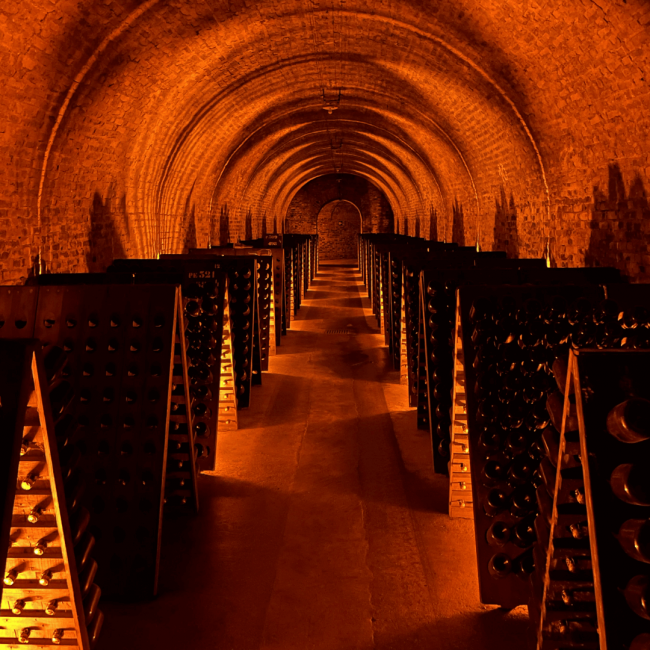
500,565
505,395
176,500
177,447
641,642
555,408
53,361
90,602
490,439
10,577
498,534
516,443
608,336
83,550
524,564
201,392
509,356
193,309
87,576
579,530
18,606
495,502
488,411
634,538
40,547
482,333
486,356
580,311
78,524
629,421
57,636
506,330
637,595
522,501
28,482
61,395
201,410
583,336
524,532
178,409
95,627
606,312
515,413
45,578
201,429
532,336
493,472
631,483
51,607
539,417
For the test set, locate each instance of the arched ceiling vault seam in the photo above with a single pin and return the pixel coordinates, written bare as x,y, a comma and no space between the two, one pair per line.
389,135
297,138
135,15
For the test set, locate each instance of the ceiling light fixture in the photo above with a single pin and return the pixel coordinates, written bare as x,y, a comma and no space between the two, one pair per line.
330,104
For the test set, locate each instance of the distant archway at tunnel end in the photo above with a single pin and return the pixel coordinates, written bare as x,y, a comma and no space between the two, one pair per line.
338,207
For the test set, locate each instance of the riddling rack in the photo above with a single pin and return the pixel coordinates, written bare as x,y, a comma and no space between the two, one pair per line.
49,595
242,294
512,335
227,420
203,305
129,417
269,301
596,578
438,315
460,478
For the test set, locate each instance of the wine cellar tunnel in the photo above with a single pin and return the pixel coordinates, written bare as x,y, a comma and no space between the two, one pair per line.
267,224
339,224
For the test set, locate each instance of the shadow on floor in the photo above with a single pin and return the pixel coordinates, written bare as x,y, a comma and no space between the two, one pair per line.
493,629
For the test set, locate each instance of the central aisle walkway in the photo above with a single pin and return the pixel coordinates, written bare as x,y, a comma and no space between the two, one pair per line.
325,528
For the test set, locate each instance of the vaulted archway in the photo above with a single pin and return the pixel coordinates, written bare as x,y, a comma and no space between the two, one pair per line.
339,223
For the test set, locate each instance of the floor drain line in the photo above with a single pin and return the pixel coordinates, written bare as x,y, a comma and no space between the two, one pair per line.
340,332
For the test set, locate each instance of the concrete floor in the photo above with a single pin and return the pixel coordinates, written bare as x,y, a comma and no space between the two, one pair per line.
325,528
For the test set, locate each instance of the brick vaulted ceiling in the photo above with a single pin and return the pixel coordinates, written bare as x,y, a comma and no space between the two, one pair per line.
157,116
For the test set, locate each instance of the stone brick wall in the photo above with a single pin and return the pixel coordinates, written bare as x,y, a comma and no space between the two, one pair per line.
308,203
339,224
132,127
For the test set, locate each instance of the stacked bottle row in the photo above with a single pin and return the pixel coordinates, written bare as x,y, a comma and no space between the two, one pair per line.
394,320
271,264
121,346
242,274
266,308
460,478
377,296
295,260
411,294
512,337
204,303
439,314
612,391
562,584
301,255
203,327
49,594
242,294
290,279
